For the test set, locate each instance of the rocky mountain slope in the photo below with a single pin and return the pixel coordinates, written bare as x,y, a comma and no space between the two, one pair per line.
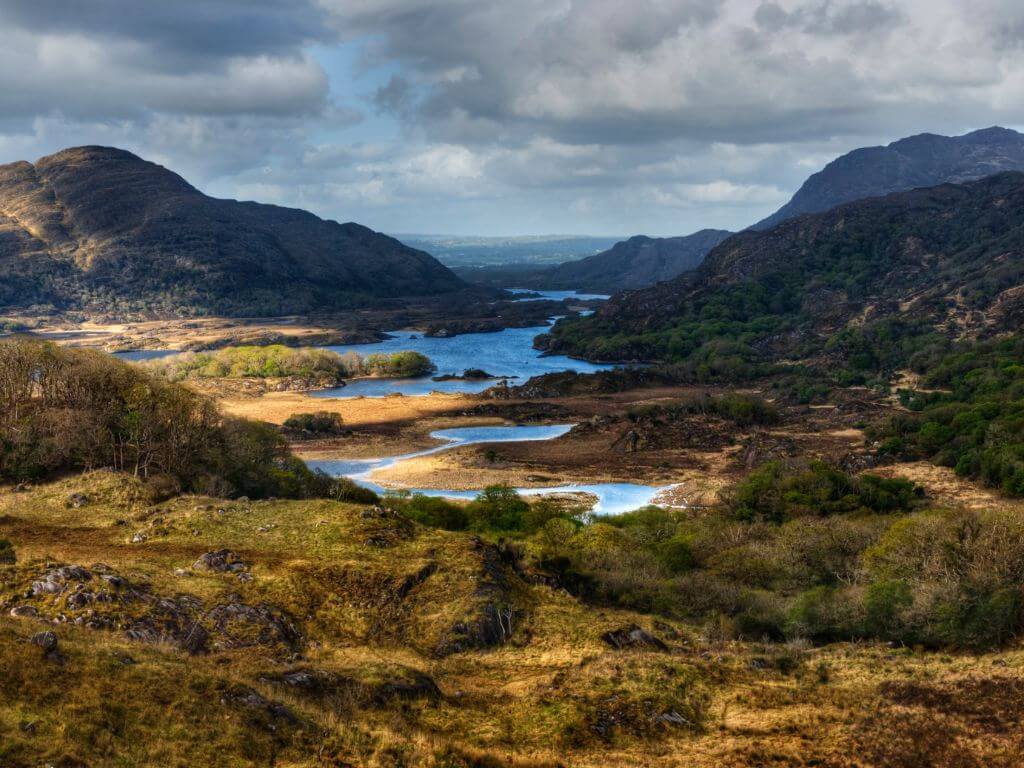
925,160
99,229
946,260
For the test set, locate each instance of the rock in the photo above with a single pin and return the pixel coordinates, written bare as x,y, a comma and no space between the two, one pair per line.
77,500
244,696
633,636
220,561
46,640
24,612
139,538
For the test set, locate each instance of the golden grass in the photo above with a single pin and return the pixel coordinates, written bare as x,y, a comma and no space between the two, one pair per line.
555,694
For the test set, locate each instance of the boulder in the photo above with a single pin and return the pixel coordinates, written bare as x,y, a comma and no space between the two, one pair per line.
633,636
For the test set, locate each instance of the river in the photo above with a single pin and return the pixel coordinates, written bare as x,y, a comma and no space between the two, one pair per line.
612,498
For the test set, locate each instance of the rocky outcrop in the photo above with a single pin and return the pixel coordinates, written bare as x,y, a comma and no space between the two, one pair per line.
99,598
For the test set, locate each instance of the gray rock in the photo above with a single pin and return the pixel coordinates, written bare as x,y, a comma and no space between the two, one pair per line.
45,640
24,612
220,561
633,636
77,500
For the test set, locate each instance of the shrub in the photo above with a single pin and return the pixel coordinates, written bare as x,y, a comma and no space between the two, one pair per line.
497,508
397,365
319,423
7,556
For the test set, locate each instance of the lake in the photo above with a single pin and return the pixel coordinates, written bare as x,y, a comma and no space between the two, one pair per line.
508,352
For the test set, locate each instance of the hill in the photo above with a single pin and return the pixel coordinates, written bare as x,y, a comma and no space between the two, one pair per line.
855,284
635,263
99,229
926,160
638,262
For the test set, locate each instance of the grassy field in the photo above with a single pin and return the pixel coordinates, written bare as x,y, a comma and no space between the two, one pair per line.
348,636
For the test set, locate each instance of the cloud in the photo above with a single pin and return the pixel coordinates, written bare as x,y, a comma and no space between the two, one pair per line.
656,116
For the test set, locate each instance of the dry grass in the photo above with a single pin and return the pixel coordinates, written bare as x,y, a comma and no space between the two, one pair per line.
554,694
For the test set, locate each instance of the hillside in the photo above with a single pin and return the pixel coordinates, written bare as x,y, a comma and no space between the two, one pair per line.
926,160
635,263
853,283
307,623
99,229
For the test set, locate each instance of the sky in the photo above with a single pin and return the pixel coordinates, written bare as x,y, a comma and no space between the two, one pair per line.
505,117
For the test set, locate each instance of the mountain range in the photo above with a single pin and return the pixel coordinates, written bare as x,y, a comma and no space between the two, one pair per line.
925,160
945,260
99,229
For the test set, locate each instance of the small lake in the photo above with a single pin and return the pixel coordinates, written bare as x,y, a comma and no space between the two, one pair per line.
508,352
612,498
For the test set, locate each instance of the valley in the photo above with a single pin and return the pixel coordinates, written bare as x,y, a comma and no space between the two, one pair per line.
765,512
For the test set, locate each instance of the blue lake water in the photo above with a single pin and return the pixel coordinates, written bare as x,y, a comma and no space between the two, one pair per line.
557,295
612,498
508,352
136,355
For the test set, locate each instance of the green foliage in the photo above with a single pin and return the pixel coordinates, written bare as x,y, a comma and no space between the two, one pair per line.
972,416
71,409
318,423
776,493
497,508
397,365
321,367
273,361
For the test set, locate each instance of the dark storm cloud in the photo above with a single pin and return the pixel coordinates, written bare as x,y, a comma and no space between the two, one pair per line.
182,31
118,59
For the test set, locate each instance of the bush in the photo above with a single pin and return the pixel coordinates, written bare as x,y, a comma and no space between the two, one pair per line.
497,508
397,365
319,423
7,556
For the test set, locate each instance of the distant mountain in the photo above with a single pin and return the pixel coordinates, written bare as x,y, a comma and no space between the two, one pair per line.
466,252
925,160
859,281
634,263
99,229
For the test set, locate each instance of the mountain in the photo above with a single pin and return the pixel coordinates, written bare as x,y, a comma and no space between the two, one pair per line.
925,160
99,229
861,281
634,263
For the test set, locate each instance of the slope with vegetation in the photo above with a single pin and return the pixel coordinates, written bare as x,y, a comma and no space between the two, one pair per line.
857,289
66,410
147,620
634,263
101,230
